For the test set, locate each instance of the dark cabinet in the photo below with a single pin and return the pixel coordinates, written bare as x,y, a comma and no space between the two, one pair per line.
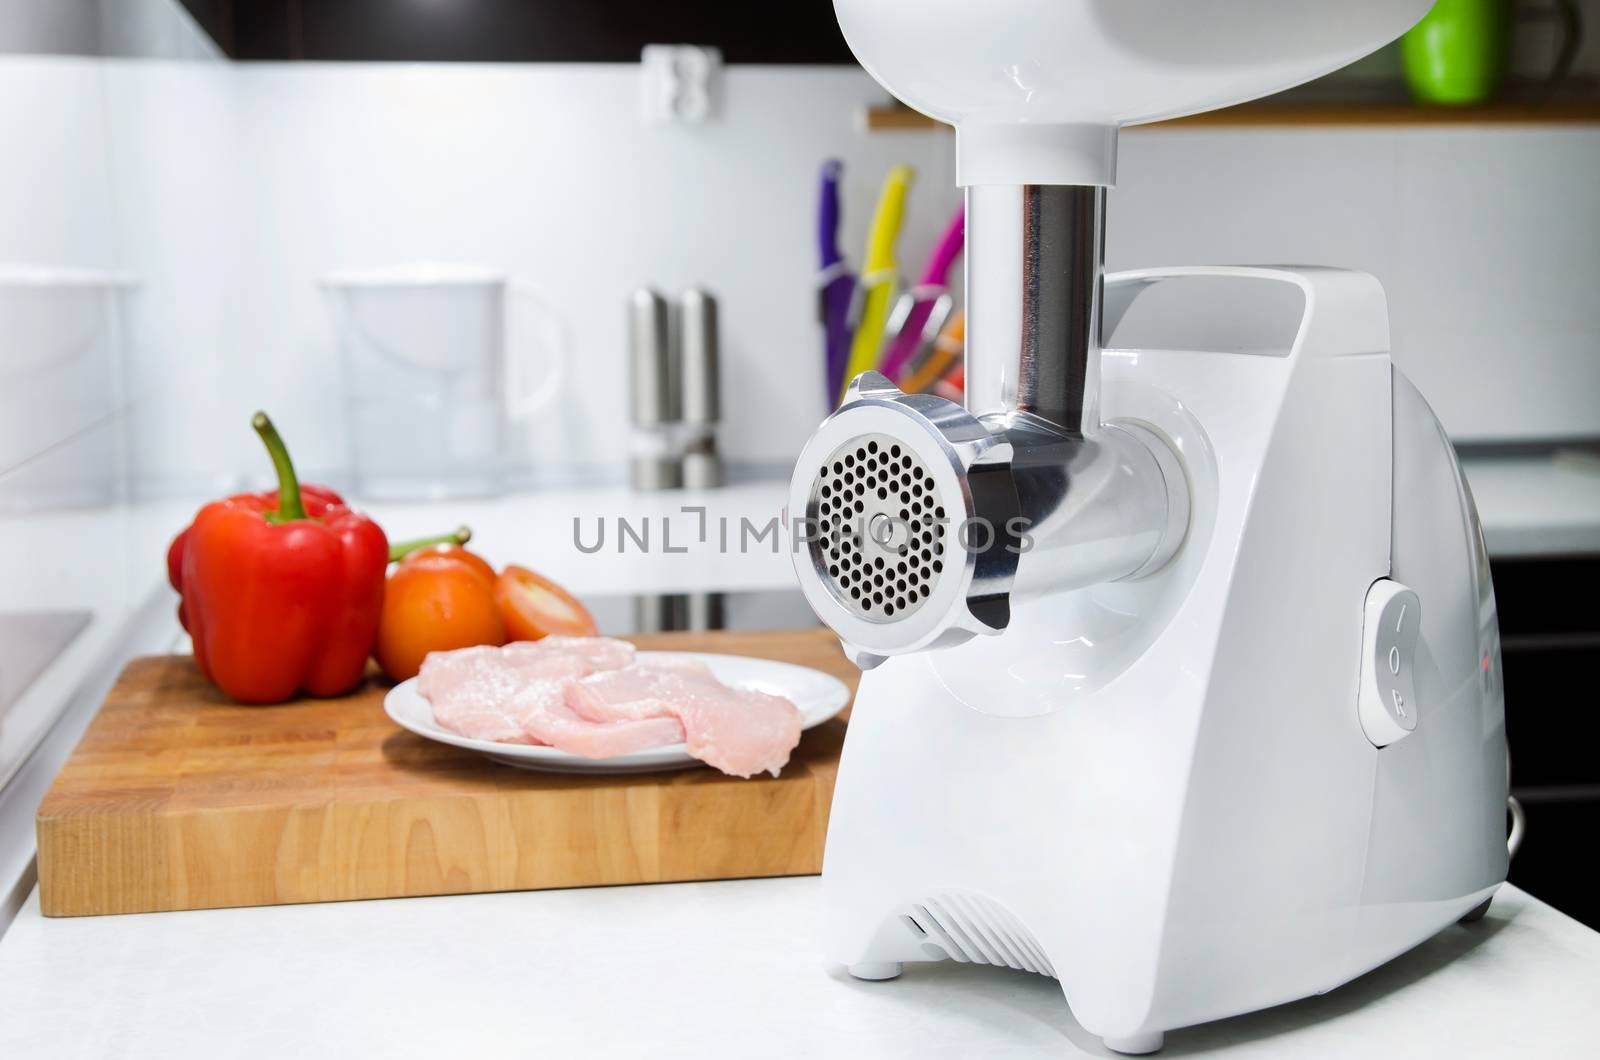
1550,647
798,31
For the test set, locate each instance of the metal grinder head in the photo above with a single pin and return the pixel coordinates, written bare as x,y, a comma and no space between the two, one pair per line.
905,517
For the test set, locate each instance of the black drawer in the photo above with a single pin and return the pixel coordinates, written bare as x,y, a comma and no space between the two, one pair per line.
1550,648
1554,863
1560,595
1553,711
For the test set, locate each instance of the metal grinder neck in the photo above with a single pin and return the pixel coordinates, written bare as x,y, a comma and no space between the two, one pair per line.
1035,275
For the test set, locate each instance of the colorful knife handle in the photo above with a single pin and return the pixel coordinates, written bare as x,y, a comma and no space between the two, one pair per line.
828,213
945,252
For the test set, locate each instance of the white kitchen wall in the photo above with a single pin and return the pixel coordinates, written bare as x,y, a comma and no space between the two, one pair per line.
56,200
546,172
58,211
64,431
57,27
230,188
153,29
174,142
1487,240
150,29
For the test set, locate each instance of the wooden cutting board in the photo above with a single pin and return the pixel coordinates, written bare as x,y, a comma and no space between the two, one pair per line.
177,798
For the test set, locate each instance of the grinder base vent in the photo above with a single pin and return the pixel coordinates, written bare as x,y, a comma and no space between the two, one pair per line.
975,930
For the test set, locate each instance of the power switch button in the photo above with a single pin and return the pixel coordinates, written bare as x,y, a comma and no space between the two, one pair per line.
1388,700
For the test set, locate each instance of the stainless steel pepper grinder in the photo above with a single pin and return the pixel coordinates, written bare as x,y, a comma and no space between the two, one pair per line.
698,356
653,386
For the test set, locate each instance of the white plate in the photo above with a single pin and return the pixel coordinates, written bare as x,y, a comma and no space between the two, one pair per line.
818,695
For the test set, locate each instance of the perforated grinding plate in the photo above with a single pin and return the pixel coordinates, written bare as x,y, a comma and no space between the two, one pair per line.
879,546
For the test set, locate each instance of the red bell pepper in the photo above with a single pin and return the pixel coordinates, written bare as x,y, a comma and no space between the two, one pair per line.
282,591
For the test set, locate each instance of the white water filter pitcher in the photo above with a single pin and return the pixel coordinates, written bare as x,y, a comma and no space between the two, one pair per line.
1182,667
432,383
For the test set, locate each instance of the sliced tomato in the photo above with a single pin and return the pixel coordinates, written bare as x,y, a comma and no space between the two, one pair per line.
534,607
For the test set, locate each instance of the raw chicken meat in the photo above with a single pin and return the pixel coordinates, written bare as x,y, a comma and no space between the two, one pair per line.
486,692
557,724
684,664
483,692
740,731
590,696
601,653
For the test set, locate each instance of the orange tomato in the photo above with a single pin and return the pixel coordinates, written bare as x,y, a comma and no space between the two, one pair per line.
455,552
435,603
535,607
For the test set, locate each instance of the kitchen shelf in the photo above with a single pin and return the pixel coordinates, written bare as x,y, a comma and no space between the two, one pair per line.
896,117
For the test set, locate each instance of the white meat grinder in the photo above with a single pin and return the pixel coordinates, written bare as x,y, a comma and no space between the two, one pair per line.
1183,671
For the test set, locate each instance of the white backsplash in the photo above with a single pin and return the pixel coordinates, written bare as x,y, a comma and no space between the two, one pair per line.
149,29
229,188
1485,239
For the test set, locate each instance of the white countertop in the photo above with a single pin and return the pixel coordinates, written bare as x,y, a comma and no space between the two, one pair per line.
707,969
108,562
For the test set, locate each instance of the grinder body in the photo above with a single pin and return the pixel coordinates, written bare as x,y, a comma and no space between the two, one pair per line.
1160,787
1205,715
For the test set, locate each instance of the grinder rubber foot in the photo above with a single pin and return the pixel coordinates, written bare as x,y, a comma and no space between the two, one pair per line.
876,971
1136,1044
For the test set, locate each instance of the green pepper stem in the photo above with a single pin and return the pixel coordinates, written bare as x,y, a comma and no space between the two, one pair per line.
290,504
399,550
